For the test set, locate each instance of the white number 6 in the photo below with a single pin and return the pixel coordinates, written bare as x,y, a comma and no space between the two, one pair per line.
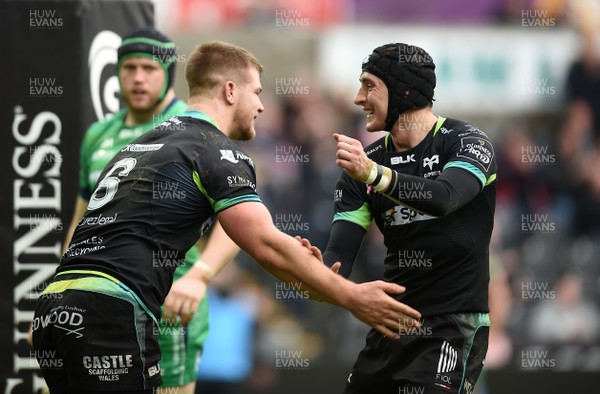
111,183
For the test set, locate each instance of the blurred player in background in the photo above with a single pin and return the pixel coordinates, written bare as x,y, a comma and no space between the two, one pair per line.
109,275
429,184
146,71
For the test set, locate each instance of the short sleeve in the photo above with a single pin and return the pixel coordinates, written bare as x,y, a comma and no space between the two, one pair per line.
226,177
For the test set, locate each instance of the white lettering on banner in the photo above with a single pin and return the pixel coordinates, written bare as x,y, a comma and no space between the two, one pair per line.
42,200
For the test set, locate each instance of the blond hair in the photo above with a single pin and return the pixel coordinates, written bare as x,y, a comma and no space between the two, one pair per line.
215,62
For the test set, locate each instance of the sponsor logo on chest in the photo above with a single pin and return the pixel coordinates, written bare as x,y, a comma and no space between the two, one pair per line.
403,159
400,215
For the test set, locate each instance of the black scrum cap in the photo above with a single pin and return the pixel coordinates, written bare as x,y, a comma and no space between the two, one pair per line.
409,74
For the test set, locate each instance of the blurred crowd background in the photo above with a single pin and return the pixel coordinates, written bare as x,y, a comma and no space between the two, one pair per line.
534,89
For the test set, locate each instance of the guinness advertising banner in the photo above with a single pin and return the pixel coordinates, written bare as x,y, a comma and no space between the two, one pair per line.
58,77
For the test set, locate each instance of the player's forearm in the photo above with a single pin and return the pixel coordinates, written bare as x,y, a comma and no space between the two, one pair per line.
250,225
436,197
289,261
344,243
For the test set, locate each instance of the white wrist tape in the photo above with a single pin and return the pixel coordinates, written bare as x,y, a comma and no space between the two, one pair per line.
206,268
372,174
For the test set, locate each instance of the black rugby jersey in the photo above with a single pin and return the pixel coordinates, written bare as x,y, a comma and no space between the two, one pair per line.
442,261
154,199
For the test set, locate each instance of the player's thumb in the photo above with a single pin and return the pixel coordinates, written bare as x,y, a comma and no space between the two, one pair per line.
336,267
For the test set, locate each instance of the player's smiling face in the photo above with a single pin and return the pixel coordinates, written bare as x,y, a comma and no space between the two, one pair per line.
373,97
142,80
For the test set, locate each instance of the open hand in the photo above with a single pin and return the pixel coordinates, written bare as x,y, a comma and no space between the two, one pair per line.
373,305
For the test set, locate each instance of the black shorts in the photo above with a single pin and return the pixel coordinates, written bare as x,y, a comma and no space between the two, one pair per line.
445,355
92,333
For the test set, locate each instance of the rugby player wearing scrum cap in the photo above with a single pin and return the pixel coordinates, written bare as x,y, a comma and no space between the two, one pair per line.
429,185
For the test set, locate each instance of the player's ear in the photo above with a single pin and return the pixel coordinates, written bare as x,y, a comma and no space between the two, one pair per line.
230,92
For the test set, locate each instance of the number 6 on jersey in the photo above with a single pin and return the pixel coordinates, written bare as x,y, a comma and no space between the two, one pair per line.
111,183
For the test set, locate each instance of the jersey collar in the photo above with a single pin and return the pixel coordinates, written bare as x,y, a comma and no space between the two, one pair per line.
193,113
389,145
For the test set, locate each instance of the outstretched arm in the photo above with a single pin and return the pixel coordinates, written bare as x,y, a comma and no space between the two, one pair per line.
250,225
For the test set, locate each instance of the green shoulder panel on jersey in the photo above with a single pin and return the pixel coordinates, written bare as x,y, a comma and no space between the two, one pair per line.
362,216
386,140
198,183
220,205
438,124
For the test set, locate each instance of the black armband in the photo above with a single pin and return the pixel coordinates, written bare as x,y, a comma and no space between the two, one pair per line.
379,175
